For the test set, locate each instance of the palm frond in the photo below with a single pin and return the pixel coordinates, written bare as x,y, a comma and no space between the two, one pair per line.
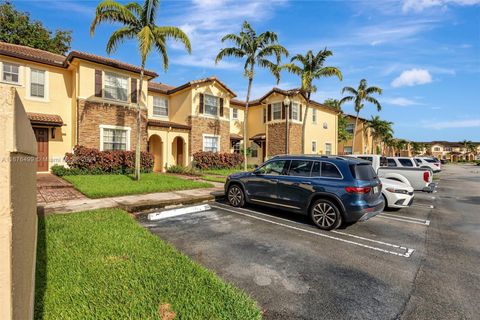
149,11
112,11
229,52
162,50
236,39
329,72
146,40
345,99
119,36
350,90
371,90
292,68
272,67
374,102
175,34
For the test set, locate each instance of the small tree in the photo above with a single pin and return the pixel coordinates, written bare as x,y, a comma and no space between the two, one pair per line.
343,134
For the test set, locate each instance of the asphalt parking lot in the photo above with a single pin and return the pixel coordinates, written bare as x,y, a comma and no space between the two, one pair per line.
417,263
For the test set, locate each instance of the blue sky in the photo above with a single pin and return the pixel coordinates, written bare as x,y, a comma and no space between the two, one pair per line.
425,54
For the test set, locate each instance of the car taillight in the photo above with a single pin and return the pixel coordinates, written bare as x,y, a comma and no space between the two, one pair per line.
426,176
358,190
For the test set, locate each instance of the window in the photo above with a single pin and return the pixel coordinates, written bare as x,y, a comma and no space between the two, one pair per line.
236,146
314,116
436,149
314,146
445,149
160,107
348,150
300,168
295,111
234,113
115,87
328,149
10,73
274,168
418,161
350,128
329,170
211,143
37,83
115,139
211,104
277,111
316,172
391,163
254,150
366,158
363,172
406,162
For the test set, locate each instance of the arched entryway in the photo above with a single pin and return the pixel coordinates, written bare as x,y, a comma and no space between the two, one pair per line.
155,148
178,151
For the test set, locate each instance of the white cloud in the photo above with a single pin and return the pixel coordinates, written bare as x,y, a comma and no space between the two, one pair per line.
207,21
473,123
420,5
402,102
412,77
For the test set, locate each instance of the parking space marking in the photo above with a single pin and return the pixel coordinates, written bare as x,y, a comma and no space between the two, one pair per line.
404,219
422,206
407,254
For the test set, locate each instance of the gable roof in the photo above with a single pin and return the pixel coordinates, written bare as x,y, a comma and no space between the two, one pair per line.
167,89
58,60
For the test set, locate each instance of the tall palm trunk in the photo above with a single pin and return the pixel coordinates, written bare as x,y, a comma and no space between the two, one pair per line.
139,127
355,134
245,120
304,124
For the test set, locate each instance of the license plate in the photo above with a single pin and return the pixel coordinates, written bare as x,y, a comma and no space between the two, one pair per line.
375,189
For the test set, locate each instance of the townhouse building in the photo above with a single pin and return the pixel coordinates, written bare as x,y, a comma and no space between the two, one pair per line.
89,100
452,151
364,143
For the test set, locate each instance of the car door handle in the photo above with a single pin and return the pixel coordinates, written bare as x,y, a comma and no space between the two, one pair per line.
274,180
303,182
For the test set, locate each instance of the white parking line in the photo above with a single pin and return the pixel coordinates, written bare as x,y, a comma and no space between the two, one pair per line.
402,219
422,206
407,254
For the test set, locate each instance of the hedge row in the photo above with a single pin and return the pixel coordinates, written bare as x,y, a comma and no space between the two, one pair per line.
214,160
92,161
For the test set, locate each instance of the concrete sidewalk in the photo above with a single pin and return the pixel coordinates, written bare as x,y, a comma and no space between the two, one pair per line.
134,203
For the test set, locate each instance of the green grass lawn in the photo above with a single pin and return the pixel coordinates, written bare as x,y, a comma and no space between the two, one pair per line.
101,186
221,172
103,265
214,178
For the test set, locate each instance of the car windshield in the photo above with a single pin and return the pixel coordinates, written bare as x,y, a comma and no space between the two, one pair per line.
363,171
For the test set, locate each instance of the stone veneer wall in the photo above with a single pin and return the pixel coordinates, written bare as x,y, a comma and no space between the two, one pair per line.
276,138
202,125
92,114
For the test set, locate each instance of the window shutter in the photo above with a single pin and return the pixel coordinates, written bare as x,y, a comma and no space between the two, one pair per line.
221,107
200,106
98,83
300,112
284,106
264,115
290,111
133,85
269,112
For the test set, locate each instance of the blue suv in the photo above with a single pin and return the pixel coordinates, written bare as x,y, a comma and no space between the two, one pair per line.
330,189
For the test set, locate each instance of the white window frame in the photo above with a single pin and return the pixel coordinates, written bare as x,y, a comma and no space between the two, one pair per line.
314,146
210,136
314,115
105,126
353,128
45,85
331,147
117,75
234,114
296,110
274,105
351,150
2,70
205,105
166,106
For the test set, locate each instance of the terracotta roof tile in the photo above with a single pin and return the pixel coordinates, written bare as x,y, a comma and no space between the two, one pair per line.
31,54
164,88
234,136
159,87
168,124
46,119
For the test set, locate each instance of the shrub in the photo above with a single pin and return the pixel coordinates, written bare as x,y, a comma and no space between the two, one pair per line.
214,160
183,170
92,161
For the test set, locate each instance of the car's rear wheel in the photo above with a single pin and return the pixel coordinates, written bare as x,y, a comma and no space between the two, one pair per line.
235,196
325,214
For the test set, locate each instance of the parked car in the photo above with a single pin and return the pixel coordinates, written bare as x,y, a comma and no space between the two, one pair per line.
421,179
329,189
426,162
396,194
401,162
443,161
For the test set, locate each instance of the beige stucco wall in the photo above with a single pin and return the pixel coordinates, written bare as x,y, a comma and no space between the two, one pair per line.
167,148
323,131
18,219
58,100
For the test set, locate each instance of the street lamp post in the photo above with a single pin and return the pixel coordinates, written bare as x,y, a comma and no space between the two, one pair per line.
286,103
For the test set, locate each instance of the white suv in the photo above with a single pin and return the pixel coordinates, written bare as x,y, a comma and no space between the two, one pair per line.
401,162
426,162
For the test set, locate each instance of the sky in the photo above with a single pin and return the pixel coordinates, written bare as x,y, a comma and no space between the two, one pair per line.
424,54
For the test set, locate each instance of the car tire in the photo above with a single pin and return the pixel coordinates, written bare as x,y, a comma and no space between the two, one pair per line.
385,207
236,196
325,214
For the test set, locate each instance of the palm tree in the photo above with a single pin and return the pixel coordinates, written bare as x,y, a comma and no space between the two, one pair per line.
379,128
343,134
401,144
333,103
416,148
138,22
359,95
256,50
389,143
311,68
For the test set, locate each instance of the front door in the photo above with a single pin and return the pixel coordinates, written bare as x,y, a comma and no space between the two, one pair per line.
179,152
42,148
